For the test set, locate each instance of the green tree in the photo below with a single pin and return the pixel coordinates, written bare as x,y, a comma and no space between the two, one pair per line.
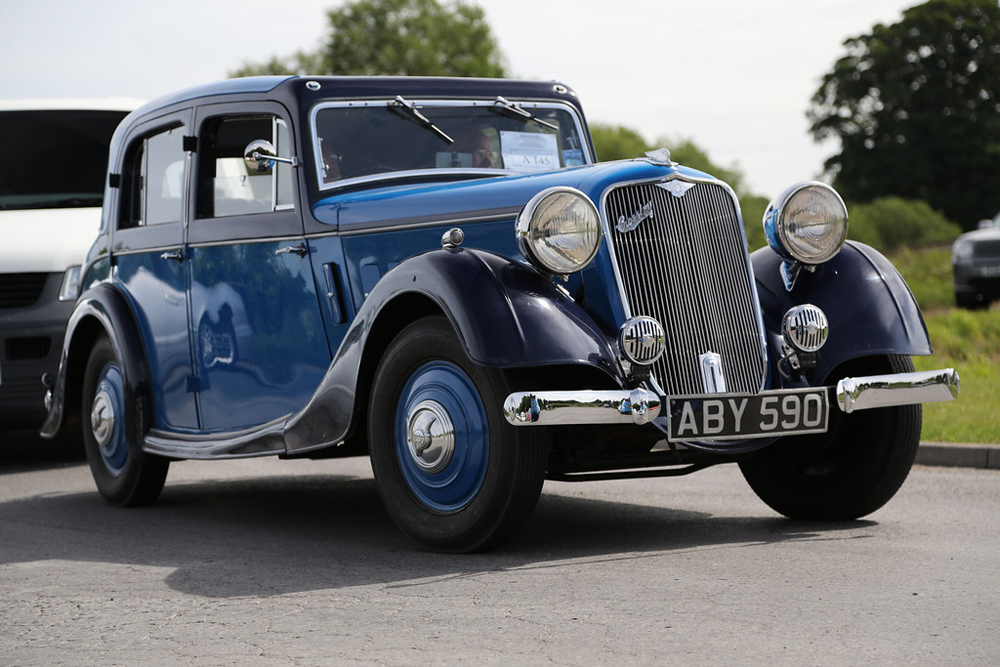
692,155
889,223
398,37
617,142
916,107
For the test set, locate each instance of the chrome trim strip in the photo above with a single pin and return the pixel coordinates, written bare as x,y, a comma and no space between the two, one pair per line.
143,251
418,223
264,440
414,174
879,391
253,240
558,408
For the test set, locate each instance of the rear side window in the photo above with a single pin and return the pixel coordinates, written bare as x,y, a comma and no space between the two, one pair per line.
54,159
154,179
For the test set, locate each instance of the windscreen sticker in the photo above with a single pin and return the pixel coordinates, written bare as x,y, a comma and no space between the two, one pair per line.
529,151
572,157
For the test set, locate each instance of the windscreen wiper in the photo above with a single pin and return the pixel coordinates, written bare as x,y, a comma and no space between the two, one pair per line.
411,110
514,109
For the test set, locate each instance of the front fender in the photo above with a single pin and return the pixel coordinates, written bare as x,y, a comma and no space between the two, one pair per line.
101,309
505,314
870,309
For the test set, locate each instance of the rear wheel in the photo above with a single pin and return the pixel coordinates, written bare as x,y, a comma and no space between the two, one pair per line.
849,471
123,473
453,474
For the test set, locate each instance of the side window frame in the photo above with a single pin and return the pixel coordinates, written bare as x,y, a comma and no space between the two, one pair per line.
284,219
218,155
135,206
127,237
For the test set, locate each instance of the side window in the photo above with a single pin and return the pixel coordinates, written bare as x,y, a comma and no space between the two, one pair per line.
154,179
226,186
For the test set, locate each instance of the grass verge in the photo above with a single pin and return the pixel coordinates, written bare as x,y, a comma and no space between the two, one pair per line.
968,341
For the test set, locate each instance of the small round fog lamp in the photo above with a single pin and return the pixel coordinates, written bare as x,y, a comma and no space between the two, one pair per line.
642,340
805,328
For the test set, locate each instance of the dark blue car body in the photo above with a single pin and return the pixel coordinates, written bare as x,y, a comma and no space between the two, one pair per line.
238,315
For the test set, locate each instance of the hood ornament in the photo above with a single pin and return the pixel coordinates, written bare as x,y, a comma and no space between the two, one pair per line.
660,156
628,224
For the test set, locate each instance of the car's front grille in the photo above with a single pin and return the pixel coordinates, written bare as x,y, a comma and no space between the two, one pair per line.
684,262
986,249
19,290
28,348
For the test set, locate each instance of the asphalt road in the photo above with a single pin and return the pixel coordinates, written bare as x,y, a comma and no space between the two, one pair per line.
296,563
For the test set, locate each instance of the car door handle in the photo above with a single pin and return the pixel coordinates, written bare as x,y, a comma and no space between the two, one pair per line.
175,255
299,250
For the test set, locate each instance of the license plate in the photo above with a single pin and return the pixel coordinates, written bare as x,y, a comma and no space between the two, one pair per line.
743,416
989,271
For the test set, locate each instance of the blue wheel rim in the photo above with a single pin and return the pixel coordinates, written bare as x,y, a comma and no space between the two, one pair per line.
452,483
106,419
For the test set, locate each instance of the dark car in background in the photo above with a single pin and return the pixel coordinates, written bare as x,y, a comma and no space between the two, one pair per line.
975,265
436,273
55,157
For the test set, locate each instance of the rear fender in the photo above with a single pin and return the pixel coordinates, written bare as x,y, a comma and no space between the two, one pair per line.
100,310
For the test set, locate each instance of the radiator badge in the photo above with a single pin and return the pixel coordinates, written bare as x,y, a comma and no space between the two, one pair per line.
676,188
630,223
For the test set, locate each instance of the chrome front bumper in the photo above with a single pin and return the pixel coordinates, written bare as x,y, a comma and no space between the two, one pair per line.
879,391
639,406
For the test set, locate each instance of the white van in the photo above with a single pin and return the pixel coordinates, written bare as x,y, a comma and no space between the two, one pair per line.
55,156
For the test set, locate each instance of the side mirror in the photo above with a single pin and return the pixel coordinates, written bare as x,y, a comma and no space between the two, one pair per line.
260,156
985,224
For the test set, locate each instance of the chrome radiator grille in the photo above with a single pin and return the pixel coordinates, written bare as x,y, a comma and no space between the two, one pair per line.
684,262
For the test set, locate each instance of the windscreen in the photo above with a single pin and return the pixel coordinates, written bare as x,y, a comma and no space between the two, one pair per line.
54,159
377,138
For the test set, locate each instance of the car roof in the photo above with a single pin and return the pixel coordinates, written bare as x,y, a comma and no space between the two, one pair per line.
359,87
71,104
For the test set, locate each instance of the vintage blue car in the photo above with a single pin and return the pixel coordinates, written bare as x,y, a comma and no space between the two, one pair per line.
437,273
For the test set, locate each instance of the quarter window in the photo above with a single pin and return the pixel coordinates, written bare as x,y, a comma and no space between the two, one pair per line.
154,179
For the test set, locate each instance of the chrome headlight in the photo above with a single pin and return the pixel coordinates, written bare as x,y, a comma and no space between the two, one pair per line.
807,223
961,250
559,230
70,287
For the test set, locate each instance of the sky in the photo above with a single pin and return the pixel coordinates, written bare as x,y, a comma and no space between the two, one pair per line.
734,76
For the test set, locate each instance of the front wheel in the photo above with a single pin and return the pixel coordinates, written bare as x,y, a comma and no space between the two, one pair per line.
851,470
452,473
123,473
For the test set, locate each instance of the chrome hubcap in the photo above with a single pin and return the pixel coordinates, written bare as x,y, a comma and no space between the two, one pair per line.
430,436
102,418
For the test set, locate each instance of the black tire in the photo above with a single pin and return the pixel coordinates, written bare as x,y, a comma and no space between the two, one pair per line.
851,470
477,494
123,473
